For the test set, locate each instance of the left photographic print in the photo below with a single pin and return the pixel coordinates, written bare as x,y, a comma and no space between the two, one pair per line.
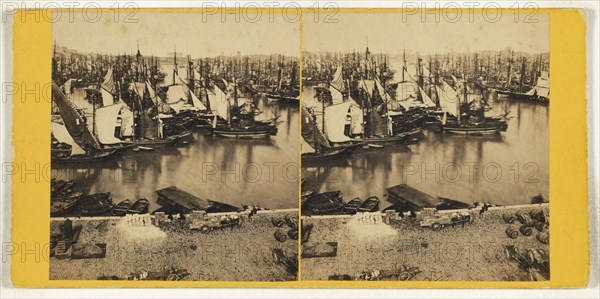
175,152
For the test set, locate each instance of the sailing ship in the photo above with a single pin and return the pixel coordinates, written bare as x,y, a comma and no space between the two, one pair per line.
75,143
317,146
541,91
467,112
286,91
368,122
238,115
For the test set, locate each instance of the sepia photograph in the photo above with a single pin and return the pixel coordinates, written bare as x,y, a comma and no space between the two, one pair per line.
175,148
425,147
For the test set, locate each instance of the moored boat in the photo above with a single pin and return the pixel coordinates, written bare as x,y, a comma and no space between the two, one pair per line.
96,204
63,204
352,206
370,204
121,208
140,206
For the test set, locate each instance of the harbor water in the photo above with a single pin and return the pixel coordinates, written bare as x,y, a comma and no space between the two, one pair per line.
238,172
506,169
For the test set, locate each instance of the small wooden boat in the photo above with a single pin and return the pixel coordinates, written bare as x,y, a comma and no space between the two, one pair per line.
305,195
370,204
91,200
139,207
86,158
324,155
121,208
61,205
352,206
316,199
100,208
331,206
256,132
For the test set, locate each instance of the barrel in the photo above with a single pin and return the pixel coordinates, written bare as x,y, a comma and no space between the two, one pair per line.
512,233
538,215
508,218
540,225
277,221
524,218
526,230
543,237
293,234
292,221
279,236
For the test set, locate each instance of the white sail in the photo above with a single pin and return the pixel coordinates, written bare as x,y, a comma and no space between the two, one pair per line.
542,87
218,103
306,148
107,97
151,91
338,80
108,82
106,121
336,96
176,97
59,131
426,99
335,121
127,121
357,125
406,94
448,99
195,101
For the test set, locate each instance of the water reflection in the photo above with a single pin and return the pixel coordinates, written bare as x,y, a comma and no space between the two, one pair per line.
504,169
261,172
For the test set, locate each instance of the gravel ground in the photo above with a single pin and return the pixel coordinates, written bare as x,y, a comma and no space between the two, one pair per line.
474,252
238,254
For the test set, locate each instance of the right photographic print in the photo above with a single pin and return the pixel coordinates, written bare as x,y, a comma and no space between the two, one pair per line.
425,146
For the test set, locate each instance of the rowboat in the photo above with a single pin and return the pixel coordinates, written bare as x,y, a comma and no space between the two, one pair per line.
96,204
62,204
371,204
139,207
352,206
316,199
121,208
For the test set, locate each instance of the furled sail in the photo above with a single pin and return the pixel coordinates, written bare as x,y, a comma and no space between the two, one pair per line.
106,122
59,131
74,122
335,121
378,124
310,132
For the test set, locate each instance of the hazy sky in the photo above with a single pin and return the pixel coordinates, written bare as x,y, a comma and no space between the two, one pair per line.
160,33
392,32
